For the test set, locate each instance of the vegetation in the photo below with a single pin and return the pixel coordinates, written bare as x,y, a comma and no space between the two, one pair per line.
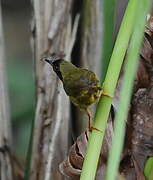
85,32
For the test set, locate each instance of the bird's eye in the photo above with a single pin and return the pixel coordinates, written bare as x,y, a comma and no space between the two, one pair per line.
56,68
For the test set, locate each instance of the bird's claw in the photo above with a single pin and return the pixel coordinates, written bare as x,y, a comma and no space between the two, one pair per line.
105,94
94,128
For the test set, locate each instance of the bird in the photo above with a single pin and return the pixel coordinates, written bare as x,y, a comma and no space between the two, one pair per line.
81,85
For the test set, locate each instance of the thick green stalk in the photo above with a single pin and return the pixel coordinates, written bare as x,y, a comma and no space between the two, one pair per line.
108,28
103,109
128,80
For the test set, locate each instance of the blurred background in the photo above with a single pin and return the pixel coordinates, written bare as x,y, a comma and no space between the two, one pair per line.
16,16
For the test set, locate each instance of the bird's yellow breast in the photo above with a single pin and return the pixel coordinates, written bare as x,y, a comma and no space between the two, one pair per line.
86,98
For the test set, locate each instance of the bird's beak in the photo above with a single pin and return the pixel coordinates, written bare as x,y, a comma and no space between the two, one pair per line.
48,59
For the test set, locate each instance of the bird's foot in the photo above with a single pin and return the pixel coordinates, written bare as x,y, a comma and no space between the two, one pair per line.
105,94
94,128
90,127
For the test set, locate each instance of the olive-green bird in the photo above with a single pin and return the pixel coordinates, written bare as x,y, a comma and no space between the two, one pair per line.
81,85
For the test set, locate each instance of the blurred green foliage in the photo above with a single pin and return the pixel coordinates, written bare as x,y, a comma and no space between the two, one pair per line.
16,18
21,88
21,92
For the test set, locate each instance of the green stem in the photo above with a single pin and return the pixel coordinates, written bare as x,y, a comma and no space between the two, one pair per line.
96,138
128,80
108,21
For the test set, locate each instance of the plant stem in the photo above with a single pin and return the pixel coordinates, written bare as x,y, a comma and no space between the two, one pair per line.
128,80
108,21
103,109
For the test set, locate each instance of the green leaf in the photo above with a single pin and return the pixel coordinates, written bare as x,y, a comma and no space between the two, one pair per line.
148,170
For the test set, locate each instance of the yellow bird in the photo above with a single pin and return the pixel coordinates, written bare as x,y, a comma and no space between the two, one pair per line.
81,85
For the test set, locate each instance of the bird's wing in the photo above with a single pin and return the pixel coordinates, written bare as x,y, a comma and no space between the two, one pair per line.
79,81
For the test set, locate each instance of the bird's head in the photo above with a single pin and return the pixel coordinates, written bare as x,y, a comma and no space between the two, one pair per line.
55,62
52,60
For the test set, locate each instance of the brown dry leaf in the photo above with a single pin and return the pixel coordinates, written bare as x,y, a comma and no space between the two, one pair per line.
72,165
142,76
142,103
140,131
139,173
142,136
